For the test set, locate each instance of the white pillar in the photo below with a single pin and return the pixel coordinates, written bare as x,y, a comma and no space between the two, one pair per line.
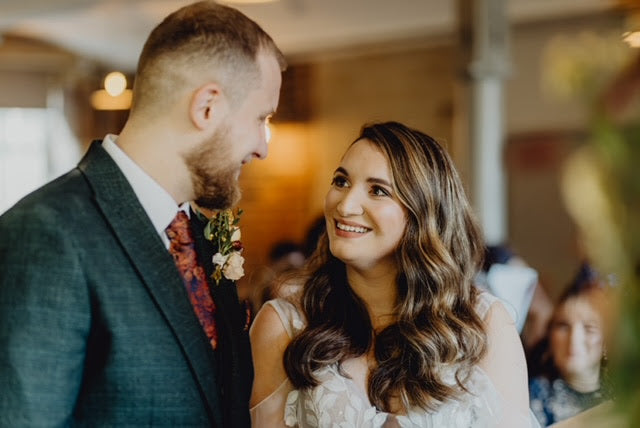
487,35
489,187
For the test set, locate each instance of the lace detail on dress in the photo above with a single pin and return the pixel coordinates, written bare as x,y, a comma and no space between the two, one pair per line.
337,402
481,407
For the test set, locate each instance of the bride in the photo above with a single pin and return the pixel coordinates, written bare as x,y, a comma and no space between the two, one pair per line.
385,329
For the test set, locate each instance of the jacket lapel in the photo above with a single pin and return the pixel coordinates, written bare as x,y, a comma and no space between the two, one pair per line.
154,265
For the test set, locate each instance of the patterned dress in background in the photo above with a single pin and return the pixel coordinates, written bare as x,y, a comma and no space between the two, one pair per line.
554,401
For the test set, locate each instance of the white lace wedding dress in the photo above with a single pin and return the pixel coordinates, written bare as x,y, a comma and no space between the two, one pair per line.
342,402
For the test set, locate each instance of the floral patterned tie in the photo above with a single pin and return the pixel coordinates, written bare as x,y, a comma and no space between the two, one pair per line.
182,249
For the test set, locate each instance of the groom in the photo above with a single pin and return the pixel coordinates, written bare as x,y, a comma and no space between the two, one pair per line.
96,325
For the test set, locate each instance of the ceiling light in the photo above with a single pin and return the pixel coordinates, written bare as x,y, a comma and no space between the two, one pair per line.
115,83
115,95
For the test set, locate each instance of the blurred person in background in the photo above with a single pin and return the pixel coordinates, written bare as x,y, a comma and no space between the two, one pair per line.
285,257
313,235
567,368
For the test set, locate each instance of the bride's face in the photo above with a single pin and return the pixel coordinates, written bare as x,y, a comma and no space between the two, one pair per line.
365,219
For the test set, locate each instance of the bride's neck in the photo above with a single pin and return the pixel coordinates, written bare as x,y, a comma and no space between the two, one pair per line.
378,291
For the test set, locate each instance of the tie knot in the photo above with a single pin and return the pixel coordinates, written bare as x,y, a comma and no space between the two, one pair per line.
178,231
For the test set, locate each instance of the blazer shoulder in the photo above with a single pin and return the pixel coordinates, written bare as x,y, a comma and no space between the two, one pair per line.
58,195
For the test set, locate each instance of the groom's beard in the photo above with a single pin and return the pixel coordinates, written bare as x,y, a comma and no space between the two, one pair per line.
215,184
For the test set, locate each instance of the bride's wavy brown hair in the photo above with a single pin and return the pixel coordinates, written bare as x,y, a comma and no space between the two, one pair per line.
436,325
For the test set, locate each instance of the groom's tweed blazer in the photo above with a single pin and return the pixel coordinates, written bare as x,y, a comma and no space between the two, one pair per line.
96,328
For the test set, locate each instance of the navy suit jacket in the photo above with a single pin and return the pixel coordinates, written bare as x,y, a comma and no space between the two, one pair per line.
96,327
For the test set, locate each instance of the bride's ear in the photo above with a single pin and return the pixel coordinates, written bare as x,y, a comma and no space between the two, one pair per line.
205,106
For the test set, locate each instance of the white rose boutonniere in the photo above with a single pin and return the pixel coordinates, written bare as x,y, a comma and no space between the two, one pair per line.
233,267
223,231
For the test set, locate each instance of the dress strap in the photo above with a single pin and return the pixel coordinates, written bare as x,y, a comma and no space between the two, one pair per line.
485,300
289,315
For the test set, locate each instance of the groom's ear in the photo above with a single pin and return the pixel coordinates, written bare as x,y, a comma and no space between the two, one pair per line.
206,105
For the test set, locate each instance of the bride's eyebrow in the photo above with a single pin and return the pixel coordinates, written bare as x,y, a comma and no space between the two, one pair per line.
341,170
371,180
374,180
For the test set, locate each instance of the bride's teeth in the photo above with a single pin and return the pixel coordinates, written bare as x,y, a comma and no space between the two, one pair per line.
351,228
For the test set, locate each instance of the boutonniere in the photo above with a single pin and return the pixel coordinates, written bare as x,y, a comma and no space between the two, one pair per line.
223,231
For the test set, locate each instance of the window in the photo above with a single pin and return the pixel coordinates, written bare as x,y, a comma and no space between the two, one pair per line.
36,145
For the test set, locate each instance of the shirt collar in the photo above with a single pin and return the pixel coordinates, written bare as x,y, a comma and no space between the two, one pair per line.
155,200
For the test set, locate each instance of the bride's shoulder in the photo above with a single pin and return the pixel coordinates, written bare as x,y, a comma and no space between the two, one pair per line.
492,309
284,309
289,287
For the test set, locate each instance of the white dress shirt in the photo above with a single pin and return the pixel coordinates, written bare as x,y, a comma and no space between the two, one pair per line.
155,200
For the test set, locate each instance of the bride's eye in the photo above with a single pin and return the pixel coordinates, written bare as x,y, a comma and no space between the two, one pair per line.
339,181
380,191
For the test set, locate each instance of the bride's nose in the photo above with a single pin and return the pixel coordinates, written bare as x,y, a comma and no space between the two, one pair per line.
350,204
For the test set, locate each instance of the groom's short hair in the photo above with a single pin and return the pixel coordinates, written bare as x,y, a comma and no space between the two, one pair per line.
197,44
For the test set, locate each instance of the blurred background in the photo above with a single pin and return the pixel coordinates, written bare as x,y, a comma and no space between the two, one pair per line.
457,70
537,102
